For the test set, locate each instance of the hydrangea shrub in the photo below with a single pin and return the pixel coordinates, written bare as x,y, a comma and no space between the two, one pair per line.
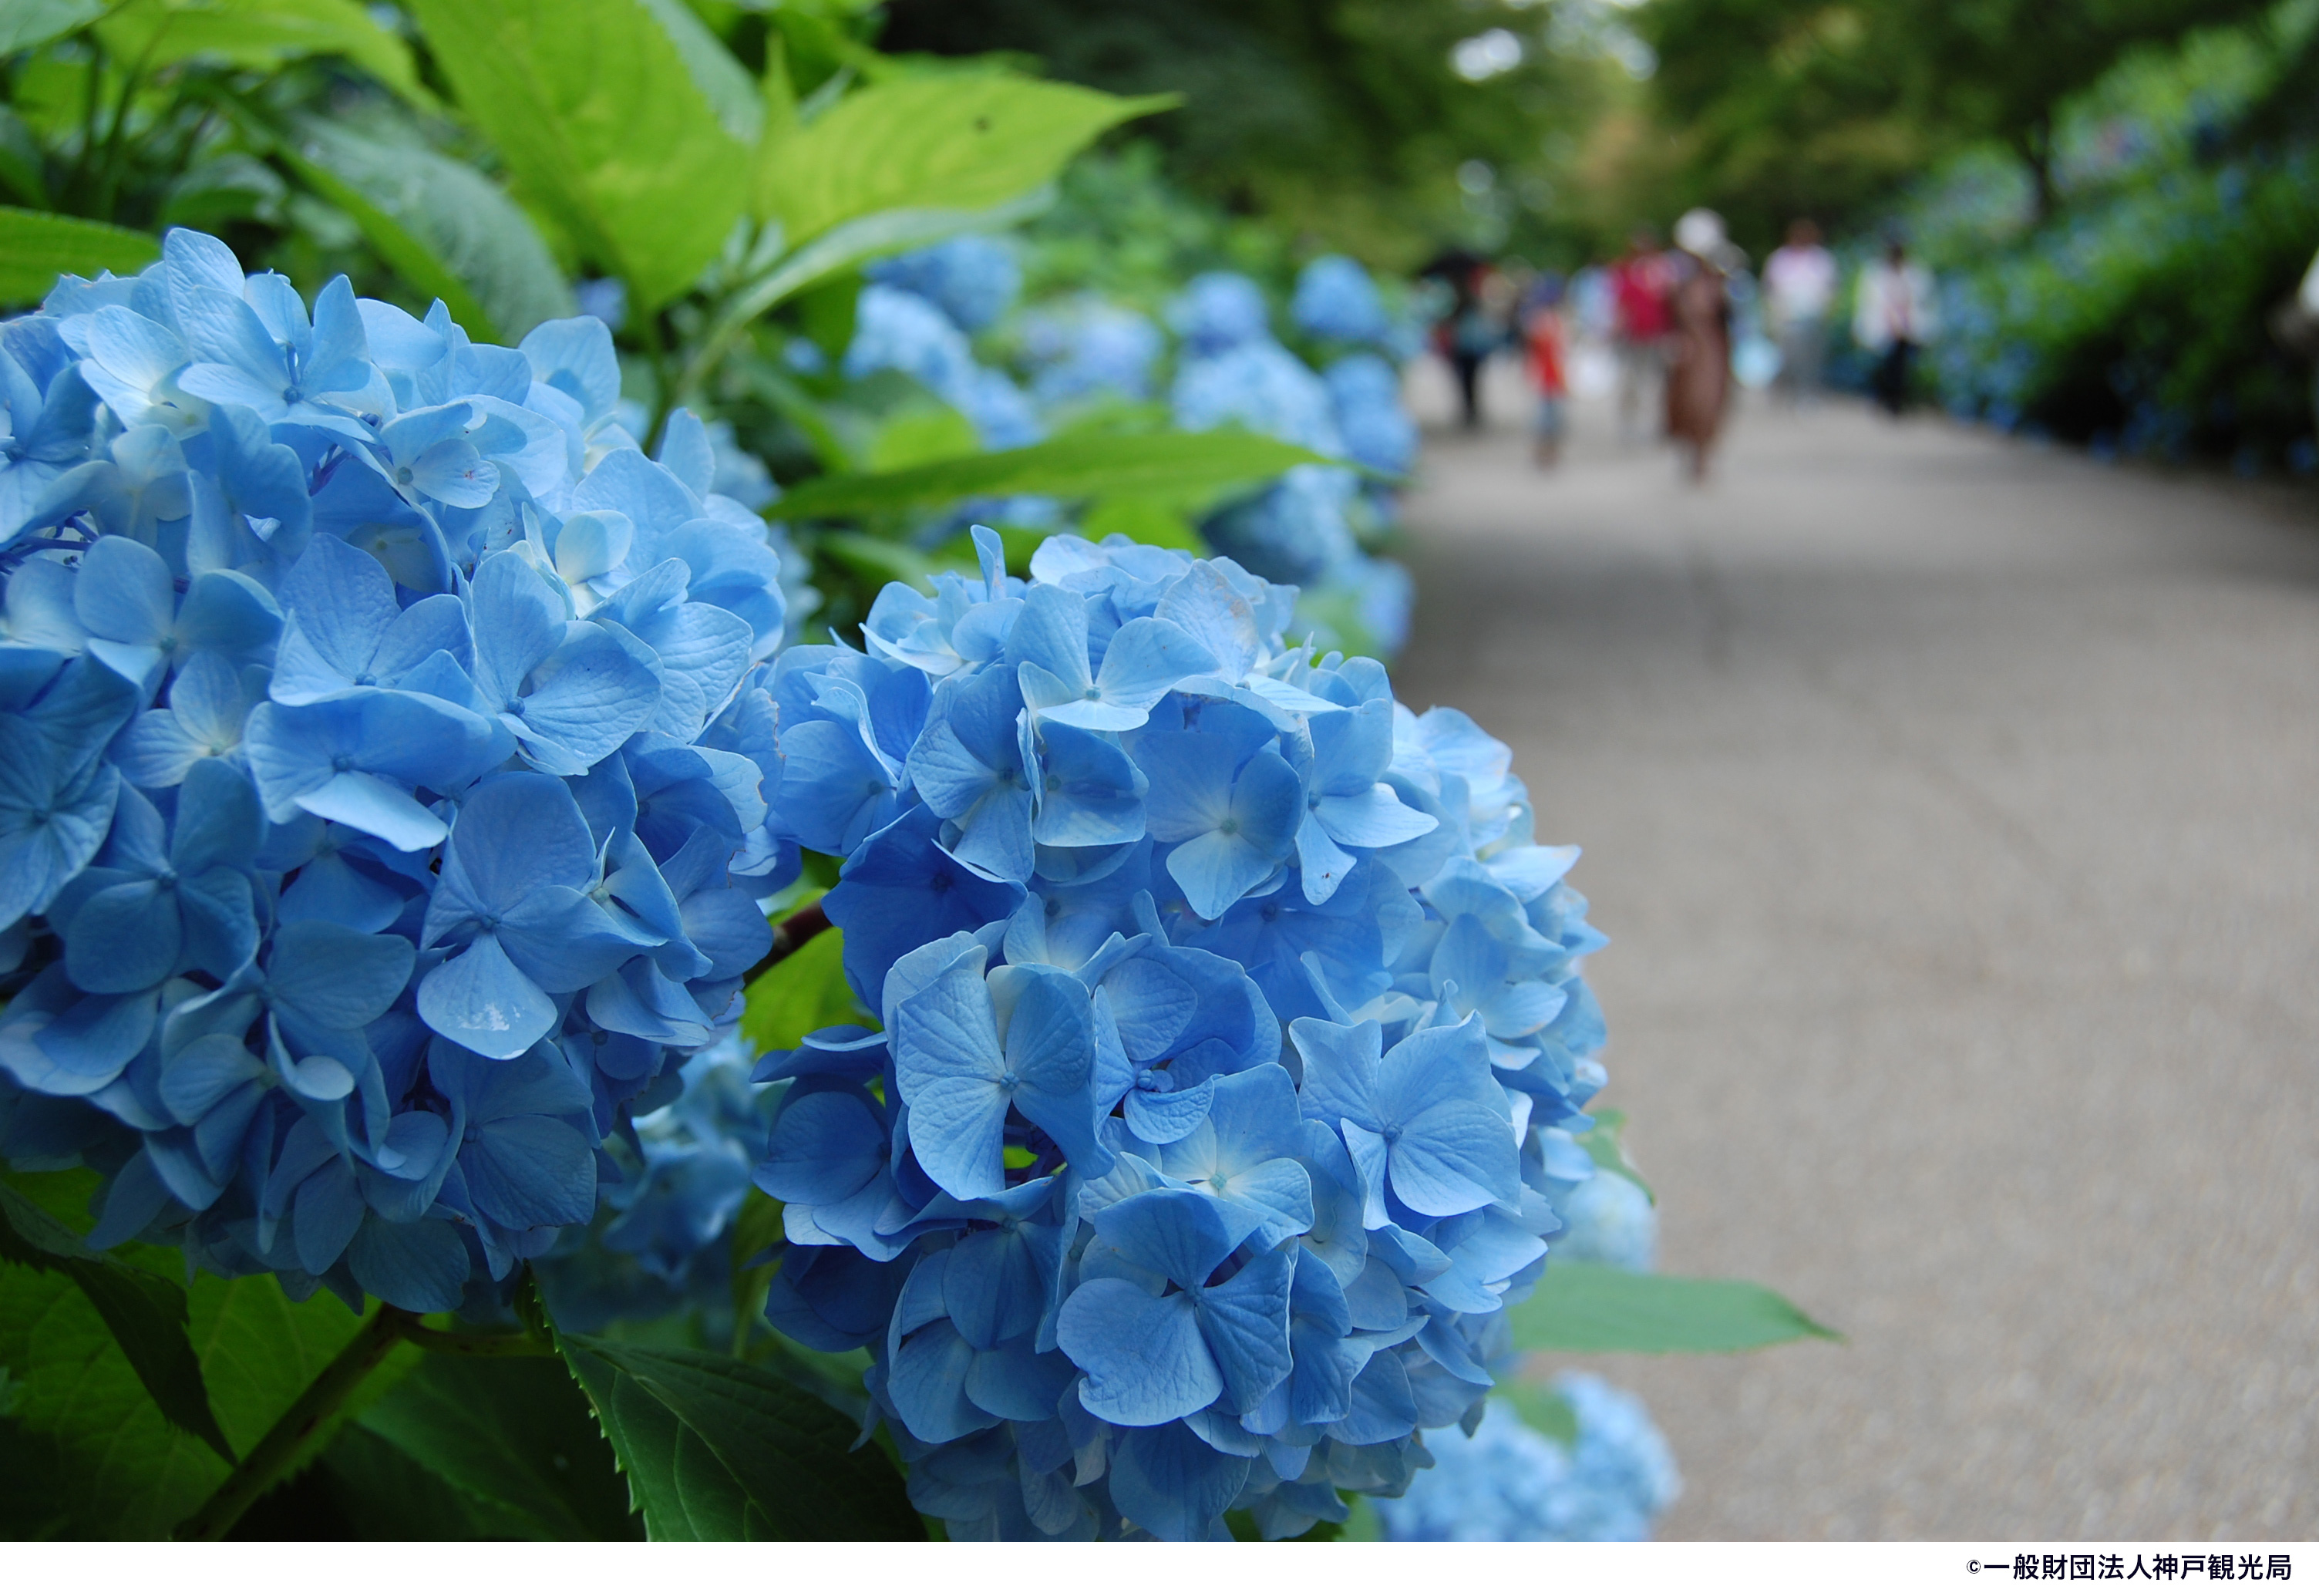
1233,1042
389,778
1505,1481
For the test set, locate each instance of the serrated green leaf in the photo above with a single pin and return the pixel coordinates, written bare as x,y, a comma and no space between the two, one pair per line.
1158,463
37,248
717,1450
1581,1307
803,993
954,142
146,1314
444,227
27,25
514,1433
600,122
261,35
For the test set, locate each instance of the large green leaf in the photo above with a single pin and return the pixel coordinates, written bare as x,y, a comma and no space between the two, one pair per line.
443,226
27,25
261,35
115,1466
1596,1308
515,1435
146,1314
37,247
602,125
259,1351
717,1450
885,232
952,141
803,993
120,1468
1143,465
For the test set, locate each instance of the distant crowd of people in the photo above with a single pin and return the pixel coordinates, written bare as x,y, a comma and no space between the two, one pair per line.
1680,325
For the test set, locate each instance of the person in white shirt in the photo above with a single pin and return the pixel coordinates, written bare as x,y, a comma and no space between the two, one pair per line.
1799,287
1894,317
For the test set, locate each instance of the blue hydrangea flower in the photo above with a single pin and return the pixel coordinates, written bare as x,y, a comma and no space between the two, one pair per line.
1219,311
1337,299
390,745
1085,348
895,329
1611,1221
973,278
1379,433
1503,1481
1232,1047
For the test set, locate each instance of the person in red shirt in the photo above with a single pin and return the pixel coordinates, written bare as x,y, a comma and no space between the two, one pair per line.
1546,341
1641,283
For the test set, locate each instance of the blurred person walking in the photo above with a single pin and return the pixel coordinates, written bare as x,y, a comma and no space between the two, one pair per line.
1470,332
1893,318
1698,375
1546,342
1800,282
1640,282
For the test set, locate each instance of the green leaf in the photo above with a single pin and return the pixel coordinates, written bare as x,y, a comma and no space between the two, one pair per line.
888,232
804,992
602,125
952,141
1544,1409
918,436
1601,1145
1153,521
116,1466
444,227
1131,465
261,1350
27,25
36,248
146,1314
1595,1308
261,35
515,1435
716,1449
383,1493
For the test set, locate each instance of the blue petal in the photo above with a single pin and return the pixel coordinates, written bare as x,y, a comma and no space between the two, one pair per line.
420,1266
1174,1484
1144,1357
527,1169
1246,1322
482,1001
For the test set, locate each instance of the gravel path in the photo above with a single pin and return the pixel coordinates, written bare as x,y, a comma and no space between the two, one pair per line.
1949,804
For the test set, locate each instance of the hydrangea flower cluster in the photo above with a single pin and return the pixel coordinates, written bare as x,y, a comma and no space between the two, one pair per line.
1302,528
1234,1040
1611,1222
1084,348
389,758
895,329
1336,299
973,279
1504,1481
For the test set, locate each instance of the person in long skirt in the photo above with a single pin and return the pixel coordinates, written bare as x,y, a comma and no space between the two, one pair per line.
1699,376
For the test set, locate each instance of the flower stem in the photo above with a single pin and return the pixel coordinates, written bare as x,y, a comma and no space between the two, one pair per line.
459,1345
270,1459
789,936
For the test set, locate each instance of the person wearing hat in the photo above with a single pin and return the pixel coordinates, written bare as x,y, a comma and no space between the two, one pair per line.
1698,375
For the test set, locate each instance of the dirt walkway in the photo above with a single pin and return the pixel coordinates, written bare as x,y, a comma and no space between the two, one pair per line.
1952,807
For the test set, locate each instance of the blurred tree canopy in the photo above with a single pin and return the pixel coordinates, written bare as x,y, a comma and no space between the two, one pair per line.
1386,127
1788,107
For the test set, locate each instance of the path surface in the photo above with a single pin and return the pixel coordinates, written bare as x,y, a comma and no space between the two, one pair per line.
1953,810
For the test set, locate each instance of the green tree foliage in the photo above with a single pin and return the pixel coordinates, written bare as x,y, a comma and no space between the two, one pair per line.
1346,121
1785,107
